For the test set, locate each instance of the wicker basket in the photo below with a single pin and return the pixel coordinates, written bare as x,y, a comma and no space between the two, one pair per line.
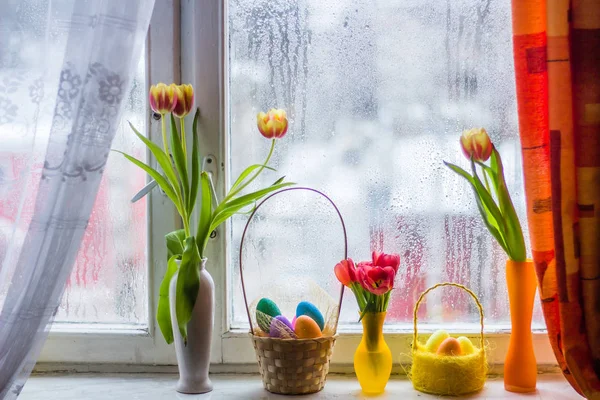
293,366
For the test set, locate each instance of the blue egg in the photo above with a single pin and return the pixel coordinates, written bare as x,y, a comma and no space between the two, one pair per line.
310,310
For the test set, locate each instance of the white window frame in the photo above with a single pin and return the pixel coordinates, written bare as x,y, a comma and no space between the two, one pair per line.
194,35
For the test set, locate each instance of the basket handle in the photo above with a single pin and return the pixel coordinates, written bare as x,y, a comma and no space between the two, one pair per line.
244,236
473,295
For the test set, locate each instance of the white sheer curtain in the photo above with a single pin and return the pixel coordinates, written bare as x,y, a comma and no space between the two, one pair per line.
65,68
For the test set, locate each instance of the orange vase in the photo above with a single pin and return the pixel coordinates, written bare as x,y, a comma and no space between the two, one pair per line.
520,367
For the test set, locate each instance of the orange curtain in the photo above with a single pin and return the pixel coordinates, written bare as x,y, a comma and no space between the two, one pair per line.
557,69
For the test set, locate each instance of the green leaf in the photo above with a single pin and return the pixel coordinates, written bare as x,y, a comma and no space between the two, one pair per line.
516,241
163,312
163,160
195,165
240,180
278,181
487,220
180,162
188,284
175,242
205,212
488,202
226,210
486,216
157,176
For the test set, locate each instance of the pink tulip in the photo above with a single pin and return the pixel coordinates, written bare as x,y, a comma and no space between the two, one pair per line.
273,124
163,98
386,260
345,272
377,280
476,143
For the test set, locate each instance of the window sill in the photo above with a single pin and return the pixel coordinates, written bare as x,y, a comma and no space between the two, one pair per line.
161,386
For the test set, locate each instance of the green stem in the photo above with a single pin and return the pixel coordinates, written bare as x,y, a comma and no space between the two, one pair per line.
183,141
186,226
487,184
164,135
241,187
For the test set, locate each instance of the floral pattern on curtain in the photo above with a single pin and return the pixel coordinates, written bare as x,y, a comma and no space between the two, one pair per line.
557,67
65,67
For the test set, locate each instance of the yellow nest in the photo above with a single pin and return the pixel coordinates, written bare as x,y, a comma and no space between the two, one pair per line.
443,374
447,375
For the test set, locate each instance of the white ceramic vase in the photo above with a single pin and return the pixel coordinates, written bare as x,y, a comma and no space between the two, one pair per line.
193,359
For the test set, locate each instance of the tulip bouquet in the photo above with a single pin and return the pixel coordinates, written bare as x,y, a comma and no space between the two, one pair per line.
493,200
370,281
183,182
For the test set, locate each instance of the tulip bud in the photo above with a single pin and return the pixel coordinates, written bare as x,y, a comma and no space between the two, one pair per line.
185,100
163,98
345,272
273,124
477,144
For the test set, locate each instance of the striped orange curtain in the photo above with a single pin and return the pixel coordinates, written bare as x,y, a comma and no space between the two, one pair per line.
557,68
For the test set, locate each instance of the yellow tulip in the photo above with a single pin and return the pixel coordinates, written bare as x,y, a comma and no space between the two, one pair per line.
163,98
273,124
185,100
477,144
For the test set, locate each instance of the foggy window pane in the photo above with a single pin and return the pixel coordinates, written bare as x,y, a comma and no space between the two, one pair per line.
377,94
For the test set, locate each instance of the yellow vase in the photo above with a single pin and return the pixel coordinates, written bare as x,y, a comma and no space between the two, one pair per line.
373,358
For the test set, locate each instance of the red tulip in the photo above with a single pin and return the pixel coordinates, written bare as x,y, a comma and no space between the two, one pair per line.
386,260
273,124
477,144
345,272
377,280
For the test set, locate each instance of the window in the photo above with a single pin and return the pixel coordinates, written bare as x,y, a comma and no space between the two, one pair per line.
377,94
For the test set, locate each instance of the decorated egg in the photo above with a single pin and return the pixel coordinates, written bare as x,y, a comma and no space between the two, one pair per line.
307,328
449,347
434,341
309,309
466,346
281,327
266,310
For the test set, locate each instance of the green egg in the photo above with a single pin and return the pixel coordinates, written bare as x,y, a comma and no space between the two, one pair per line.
266,310
434,341
466,346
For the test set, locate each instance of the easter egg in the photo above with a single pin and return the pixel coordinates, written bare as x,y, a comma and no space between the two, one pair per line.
264,321
294,322
466,346
307,328
434,341
266,310
309,309
281,327
449,347
268,307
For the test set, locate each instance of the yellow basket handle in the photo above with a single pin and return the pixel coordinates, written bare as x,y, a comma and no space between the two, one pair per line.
473,295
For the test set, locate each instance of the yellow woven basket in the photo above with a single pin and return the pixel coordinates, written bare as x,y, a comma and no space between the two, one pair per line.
293,366
448,375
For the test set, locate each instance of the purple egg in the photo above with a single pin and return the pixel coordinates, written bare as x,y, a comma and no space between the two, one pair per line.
281,327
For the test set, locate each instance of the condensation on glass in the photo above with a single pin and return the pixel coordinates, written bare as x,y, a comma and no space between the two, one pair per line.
377,94
109,282
109,279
